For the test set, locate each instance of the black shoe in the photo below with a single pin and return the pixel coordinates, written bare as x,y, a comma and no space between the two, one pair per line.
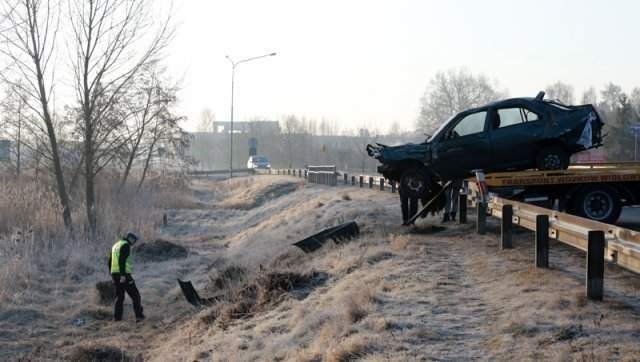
140,319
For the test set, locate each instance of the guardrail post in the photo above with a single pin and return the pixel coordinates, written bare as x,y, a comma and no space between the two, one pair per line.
370,182
306,174
381,184
361,181
542,241
393,186
462,209
506,224
595,265
353,180
346,178
481,220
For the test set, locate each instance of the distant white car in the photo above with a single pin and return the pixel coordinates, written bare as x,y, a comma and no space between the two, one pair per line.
258,162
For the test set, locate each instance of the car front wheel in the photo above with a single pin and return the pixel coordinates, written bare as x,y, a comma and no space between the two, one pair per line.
552,158
414,183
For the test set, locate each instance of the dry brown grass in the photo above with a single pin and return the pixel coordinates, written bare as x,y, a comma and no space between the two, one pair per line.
398,242
249,192
350,349
33,241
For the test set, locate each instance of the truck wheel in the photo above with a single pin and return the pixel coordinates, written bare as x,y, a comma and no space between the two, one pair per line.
414,183
600,203
552,158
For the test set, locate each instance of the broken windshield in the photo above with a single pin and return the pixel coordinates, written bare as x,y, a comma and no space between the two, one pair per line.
439,130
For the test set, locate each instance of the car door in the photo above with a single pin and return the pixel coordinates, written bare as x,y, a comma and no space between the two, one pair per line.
463,147
514,132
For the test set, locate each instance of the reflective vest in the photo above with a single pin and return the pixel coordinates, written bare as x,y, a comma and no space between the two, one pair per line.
115,258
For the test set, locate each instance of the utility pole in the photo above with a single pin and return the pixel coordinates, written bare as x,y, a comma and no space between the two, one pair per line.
233,72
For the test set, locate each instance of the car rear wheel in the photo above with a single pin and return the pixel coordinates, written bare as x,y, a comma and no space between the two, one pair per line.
600,203
552,158
414,183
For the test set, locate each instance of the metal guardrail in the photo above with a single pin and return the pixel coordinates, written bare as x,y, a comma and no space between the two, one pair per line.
340,178
601,241
622,245
325,175
219,172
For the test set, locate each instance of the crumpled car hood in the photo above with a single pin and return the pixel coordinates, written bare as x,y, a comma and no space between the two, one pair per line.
409,151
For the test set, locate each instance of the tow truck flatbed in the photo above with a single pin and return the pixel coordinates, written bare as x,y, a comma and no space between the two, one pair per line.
595,191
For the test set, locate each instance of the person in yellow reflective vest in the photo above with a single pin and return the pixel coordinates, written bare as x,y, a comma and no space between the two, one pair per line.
120,267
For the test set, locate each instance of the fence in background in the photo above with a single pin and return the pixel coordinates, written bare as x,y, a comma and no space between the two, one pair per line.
328,175
325,175
219,172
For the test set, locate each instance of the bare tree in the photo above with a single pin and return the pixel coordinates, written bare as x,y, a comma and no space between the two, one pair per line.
395,129
166,140
13,120
635,102
207,117
148,101
112,41
451,92
560,91
590,96
290,126
611,96
28,41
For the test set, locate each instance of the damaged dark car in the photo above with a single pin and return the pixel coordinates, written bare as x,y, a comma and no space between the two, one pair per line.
512,134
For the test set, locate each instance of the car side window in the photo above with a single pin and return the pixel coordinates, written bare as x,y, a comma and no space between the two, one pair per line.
471,124
514,116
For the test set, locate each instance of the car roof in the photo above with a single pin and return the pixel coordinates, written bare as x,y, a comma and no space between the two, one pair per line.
509,102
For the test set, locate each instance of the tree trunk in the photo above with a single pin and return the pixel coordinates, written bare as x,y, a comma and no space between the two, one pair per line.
57,166
76,174
147,162
19,140
89,178
132,157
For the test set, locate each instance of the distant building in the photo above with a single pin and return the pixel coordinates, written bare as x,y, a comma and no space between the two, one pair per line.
252,127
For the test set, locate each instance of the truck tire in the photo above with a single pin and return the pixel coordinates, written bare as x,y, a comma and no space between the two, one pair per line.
414,183
599,203
552,158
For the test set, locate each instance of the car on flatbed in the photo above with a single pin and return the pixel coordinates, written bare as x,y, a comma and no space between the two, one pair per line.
512,134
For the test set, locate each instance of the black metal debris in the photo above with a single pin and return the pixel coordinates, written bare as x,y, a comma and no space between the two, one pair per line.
337,234
192,296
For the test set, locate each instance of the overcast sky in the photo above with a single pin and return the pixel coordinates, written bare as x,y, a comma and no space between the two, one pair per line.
368,62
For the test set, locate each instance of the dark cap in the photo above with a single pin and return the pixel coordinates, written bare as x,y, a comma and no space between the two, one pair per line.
131,237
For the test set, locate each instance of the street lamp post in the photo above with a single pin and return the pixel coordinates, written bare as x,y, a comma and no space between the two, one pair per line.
233,72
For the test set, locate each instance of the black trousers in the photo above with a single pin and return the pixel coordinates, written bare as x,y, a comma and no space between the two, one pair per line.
129,286
408,206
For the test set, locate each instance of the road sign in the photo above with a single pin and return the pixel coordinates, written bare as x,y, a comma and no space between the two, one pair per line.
5,150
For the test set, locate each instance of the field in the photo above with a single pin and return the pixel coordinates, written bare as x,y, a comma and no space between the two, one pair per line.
430,292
